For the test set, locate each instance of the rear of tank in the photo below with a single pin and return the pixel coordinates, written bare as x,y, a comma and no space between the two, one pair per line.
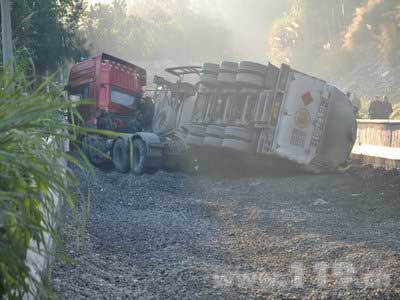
316,127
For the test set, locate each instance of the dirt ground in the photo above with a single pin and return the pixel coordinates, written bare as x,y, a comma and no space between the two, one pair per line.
178,236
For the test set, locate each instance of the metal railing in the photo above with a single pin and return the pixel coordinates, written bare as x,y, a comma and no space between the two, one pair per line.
378,141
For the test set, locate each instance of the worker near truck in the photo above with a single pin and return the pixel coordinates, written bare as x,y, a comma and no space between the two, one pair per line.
375,108
380,109
356,103
387,107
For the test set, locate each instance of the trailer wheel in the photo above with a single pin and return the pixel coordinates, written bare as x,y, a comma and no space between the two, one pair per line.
214,135
240,133
199,130
238,145
209,73
139,157
251,79
208,78
253,67
120,156
215,130
194,140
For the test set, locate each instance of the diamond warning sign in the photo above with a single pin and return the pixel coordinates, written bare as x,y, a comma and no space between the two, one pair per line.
307,98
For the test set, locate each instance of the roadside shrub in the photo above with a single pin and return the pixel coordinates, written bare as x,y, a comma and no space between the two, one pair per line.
396,112
31,173
365,103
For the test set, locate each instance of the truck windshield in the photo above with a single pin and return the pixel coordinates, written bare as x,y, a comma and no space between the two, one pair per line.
122,98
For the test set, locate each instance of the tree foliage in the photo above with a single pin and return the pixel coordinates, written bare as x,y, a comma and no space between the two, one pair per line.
324,36
310,28
378,21
46,31
32,174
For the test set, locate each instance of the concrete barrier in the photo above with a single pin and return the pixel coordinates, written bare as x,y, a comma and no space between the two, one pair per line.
378,143
39,257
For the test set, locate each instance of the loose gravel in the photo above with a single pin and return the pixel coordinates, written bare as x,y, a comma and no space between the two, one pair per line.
177,236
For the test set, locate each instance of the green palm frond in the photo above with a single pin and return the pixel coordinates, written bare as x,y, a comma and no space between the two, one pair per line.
32,171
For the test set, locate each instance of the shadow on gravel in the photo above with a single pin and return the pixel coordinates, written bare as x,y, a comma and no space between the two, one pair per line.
179,236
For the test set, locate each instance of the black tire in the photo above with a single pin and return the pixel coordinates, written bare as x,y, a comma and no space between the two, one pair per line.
194,140
199,130
241,133
209,73
210,68
139,157
120,156
250,79
237,145
93,153
209,78
216,131
227,72
229,66
253,67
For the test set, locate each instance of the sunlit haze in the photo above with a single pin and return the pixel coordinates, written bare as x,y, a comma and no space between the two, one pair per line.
200,149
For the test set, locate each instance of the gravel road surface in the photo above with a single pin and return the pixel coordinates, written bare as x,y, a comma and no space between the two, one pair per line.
177,236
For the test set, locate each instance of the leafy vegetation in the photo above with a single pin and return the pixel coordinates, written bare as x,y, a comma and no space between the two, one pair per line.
396,112
326,37
46,31
31,173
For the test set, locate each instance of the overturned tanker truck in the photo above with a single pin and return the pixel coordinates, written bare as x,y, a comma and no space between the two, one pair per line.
250,115
243,114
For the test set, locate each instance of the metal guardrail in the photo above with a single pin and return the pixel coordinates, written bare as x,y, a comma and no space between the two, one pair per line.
378,142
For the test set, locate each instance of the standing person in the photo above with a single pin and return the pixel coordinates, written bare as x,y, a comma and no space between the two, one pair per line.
375,108
356,102
387,108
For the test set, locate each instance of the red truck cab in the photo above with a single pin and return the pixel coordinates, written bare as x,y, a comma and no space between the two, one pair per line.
117,87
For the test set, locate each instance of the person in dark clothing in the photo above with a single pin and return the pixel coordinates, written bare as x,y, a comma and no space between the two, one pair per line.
375,108
380,109
356,102
387,108
147,108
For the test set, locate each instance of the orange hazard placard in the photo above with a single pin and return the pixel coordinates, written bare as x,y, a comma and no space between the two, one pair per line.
302,118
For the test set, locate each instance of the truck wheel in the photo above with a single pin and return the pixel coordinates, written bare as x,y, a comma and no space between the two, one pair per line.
250,79
120,156
91,148
227,72
212,141
208,78
209,73
253,67
199,130
194,140
240,133
216,131
214,135
238,145
229,66
139,157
